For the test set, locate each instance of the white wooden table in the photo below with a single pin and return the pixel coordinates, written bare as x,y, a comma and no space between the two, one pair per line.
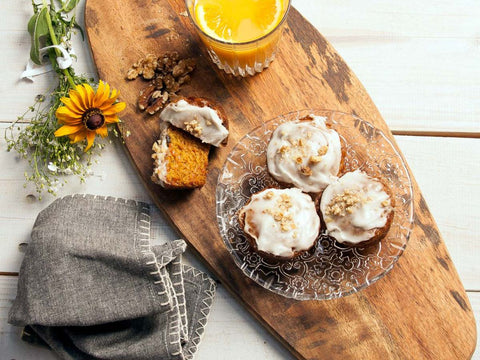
421,66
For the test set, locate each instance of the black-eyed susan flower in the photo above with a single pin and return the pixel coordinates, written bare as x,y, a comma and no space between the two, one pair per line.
87,113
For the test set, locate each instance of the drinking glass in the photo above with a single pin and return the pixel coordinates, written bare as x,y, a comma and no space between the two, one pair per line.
241,58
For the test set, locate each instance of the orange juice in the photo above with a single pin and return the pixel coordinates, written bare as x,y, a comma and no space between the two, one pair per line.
241,35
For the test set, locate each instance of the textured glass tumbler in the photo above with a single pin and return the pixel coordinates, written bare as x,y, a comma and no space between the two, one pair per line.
241,58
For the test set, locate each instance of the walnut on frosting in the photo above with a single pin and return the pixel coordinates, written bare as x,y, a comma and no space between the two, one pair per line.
193,127
280,211
344,203
306,170
268,195
323,150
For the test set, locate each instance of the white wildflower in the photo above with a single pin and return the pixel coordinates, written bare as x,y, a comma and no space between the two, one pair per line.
52,167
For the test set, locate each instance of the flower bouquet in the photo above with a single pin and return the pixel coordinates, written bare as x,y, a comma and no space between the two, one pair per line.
59,137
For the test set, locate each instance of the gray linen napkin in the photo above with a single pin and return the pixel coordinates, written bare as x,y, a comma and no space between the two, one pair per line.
92,286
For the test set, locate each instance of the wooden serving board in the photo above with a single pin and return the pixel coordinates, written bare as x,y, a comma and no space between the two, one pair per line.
419,310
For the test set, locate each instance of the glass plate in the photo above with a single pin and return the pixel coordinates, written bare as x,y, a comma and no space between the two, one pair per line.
331,270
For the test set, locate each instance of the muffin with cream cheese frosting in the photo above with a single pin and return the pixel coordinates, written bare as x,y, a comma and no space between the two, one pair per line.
280,223
357,209
306,154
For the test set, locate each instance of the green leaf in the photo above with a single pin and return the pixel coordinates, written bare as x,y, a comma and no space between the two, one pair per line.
38,29
69,5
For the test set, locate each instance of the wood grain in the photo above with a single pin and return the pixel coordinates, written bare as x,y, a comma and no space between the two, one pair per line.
398,317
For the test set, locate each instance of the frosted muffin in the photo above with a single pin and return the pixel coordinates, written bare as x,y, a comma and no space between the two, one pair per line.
306,154
280,223
357,209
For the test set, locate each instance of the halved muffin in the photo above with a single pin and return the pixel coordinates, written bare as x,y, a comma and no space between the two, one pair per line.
180,160
199,117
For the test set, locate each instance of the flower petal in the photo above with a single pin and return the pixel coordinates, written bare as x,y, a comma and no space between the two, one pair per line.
98,99
71,105
102,131
90,95
106,104
68,129
114,109
76,98
83,95
111,119
90,139
66,116
103,96
74,138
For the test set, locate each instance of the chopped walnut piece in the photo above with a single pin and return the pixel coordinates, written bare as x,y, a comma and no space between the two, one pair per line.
315,159
280,211
183,67
344,203
156,94
285,201
278,216
306,170
287,224
268,195
323,150
169,82
167,73
148,73
132,74
193,127
183,79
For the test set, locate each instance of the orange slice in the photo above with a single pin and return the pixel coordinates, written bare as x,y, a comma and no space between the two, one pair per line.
238,21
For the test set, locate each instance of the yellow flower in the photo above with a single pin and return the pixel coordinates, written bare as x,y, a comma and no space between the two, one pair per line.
87,113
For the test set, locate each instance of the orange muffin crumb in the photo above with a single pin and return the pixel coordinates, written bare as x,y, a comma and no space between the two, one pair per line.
180,160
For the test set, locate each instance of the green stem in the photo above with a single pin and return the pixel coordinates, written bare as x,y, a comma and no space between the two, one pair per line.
55,42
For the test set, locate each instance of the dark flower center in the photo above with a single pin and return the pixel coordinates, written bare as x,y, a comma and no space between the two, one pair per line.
93,119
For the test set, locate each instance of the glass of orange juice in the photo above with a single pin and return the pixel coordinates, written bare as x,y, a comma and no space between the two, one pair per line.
241,36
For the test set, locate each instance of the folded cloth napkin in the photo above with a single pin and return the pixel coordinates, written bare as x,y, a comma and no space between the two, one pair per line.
92,285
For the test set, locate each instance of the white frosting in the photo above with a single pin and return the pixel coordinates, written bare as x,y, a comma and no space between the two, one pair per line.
281,221
160,149
306,154
202,122
354,207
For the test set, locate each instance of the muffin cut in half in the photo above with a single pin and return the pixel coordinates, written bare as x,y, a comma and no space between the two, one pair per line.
199,117
357,209
306,154
280,223
180,160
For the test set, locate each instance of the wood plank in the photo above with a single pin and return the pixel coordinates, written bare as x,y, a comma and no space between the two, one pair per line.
114,176
372,317
376,39
227,321
410,57
114,167
447,169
